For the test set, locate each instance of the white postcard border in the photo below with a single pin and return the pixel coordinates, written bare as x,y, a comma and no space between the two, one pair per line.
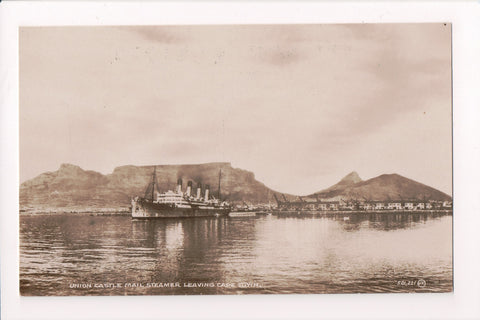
463,303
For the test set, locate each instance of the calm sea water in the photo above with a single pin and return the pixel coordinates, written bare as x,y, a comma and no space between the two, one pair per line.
115,255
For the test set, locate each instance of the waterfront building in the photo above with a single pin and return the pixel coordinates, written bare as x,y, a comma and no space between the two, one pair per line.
394,206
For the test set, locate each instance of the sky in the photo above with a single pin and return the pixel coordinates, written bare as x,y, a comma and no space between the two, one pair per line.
301,106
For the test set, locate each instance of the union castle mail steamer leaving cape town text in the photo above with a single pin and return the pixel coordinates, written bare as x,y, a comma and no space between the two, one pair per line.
178,204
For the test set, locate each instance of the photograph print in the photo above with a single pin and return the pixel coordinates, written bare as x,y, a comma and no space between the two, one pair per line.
235,159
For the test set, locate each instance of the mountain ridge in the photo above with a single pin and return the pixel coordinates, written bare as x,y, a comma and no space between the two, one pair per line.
384,187
72,186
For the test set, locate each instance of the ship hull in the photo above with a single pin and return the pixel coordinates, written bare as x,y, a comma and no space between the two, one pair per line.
150,210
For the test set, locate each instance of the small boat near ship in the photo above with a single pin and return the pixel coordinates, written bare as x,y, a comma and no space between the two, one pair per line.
178,204
250,210
242,214
243,211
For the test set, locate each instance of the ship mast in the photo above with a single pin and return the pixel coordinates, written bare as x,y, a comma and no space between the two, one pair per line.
154,179
219,177
151,193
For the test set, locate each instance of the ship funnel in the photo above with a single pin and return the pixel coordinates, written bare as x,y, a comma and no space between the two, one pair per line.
179,186
207,191
199,190
189,188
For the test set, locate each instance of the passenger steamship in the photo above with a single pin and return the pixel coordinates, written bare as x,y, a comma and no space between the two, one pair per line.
178,204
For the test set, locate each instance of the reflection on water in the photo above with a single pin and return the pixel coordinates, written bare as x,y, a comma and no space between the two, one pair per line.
91,255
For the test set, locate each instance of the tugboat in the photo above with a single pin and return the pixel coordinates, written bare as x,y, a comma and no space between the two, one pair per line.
178,204
243,211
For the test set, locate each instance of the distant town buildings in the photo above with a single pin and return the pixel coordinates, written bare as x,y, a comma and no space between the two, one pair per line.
363,205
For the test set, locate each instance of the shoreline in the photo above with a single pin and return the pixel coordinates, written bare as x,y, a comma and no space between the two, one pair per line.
127,212
345,212
78,211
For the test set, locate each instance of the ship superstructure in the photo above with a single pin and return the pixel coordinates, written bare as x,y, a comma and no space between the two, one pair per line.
178,204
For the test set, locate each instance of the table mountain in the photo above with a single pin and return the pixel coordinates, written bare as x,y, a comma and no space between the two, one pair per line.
71,186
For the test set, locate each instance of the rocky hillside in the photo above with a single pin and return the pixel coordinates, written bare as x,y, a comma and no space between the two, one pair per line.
384,187
71,186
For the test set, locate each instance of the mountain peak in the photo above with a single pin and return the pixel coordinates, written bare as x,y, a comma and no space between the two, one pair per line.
351,178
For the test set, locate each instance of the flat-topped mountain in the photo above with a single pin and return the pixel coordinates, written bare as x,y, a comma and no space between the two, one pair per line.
72,186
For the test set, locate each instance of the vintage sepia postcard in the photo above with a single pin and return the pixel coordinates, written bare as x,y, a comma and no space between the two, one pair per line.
235,159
